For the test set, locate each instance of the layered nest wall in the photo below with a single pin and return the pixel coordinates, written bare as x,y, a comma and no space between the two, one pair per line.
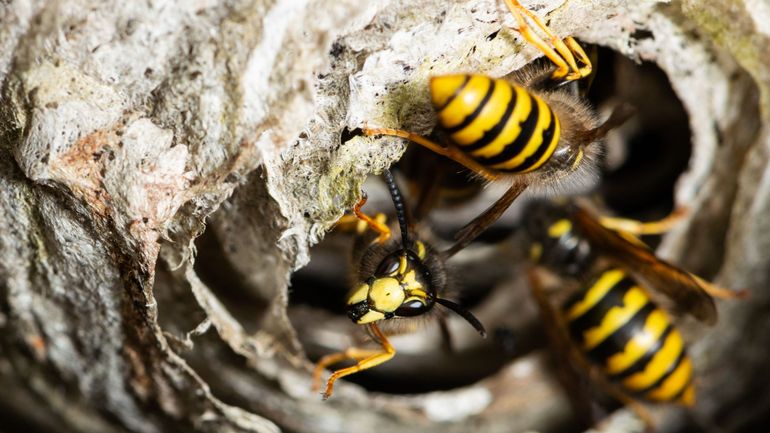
171,175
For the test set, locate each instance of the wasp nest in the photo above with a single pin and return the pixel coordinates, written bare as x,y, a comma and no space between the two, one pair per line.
166,167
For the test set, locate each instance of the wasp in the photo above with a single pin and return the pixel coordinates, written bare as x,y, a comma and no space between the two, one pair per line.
526,130
610,323
398,286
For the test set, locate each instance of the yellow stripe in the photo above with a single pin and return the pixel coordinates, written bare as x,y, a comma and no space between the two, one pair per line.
543,120
420,249
674,383
559,228
466,102
659,364
489,116
551,146
639,344
616,317
512,128
593,295
688,397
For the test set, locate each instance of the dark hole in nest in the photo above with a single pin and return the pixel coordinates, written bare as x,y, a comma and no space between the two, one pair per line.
638,182
656,140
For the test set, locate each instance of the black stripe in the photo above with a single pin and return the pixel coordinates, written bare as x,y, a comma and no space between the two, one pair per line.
682,356
640,364
594,316
454,95
617,341
471,117
514,148
493,132
544,145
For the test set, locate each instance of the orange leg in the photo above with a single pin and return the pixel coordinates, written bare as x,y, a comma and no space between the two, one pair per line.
374,224
565,50
366,359
347,223
640,228
636,407
449,152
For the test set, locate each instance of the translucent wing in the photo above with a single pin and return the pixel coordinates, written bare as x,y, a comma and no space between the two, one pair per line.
676,284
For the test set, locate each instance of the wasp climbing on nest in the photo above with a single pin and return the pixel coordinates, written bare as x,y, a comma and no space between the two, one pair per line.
529,131
398,287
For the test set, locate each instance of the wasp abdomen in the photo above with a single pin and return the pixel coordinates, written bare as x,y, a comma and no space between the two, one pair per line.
500,125
618,327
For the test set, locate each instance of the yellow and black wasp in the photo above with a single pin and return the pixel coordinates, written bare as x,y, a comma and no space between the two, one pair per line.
528,130
610,322
397,285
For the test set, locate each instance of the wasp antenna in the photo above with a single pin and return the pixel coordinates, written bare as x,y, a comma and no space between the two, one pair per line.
398,203
465,314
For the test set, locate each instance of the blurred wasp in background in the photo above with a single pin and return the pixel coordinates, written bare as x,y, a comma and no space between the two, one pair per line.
397,286
610,326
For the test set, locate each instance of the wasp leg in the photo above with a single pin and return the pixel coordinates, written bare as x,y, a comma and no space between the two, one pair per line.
565,59
347,223
640,228
641,412
366,358
564,351
449,152
376,224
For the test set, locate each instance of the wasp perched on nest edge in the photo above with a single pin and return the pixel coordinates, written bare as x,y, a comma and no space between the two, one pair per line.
400,283
610,321
532,131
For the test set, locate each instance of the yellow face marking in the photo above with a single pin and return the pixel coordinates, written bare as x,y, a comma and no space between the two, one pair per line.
359,294
418,293
465,103
656,323
370,316
443,87
660,363
489,116
420,249
596,293
402,265
616,317
386,294
512,128
559,228
543,120
674,383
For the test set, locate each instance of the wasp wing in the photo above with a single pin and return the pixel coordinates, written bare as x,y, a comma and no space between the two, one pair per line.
666,278
474,228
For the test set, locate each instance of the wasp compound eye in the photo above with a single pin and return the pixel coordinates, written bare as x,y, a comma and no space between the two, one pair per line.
388,266
412,308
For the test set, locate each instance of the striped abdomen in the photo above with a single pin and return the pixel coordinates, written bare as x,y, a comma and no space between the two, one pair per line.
620,329
500,125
